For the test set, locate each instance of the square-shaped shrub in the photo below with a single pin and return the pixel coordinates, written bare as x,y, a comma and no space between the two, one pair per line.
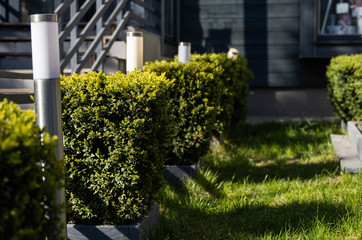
115,130
195,104
235,79
344,84
30,176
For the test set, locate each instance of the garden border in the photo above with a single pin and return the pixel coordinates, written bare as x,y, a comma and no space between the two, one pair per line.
349,148
182,172
137,231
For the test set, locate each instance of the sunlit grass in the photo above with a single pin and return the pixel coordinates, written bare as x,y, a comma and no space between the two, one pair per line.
267,181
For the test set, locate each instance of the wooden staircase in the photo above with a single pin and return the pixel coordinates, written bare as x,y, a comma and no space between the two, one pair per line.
84,46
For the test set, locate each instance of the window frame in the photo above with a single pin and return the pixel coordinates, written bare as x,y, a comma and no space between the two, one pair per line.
315,45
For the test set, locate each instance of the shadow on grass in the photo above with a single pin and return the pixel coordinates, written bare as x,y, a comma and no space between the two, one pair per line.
285,133
251,220
274,150
272,139
186,216
234,171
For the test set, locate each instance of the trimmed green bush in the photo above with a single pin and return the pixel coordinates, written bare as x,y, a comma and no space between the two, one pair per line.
30,175
115,131
195,105
344,76
235,79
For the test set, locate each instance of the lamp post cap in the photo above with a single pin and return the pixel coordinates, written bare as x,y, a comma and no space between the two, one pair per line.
184,44
44,18
134,34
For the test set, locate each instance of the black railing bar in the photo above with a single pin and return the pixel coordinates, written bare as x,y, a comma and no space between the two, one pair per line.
110,42
75,19
115,12
142,20
62,7
84,34
145,5
100,35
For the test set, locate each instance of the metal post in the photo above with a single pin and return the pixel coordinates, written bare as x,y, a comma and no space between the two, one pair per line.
134,55
184,52
46,74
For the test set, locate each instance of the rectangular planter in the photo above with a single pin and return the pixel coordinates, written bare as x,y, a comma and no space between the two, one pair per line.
355,136
182,172
138,231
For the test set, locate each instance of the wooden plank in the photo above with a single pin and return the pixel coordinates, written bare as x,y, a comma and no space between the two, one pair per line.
16,91
257,2
236,38
19,96
257,24
285,80
252,51
327,51
17,74
276,65
241,11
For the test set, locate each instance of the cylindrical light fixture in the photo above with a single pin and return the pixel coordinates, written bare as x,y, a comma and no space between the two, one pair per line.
184,52
46,74
233,53
134,56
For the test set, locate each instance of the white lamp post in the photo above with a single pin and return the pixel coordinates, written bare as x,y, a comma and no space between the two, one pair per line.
233,53
134,55
46,74
184,52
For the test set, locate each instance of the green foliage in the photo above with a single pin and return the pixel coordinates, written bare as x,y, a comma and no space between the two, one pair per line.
30,175
235,79
195,105
244,192
344,75
115,131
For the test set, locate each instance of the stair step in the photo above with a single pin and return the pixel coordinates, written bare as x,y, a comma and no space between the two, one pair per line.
17,73
347,154
18,95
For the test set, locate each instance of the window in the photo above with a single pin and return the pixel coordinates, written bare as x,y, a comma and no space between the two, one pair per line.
330,27
340,17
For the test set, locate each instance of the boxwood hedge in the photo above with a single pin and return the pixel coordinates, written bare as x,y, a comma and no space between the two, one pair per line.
30,175
195,105
235,79
116,128
344,84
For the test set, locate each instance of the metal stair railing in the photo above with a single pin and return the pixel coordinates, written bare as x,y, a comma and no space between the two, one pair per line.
102,27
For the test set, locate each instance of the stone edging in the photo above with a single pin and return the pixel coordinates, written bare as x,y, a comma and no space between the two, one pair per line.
138,231
182,172
355,136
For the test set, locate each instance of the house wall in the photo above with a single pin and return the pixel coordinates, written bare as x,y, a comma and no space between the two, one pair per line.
265,31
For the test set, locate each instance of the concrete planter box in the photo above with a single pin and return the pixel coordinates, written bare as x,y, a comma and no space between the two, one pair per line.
138,231
182,172
356,137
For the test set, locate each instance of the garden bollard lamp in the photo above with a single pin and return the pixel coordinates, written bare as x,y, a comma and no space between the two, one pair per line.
134,55
46,75
184,52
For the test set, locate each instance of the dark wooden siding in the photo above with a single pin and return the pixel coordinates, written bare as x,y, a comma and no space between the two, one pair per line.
265,31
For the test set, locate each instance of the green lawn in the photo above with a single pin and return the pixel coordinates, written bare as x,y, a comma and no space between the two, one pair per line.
267,181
